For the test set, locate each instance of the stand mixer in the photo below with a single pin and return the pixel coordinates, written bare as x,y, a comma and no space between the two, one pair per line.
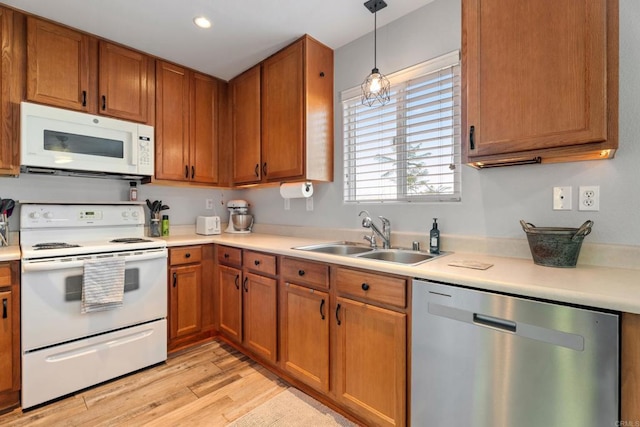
239,219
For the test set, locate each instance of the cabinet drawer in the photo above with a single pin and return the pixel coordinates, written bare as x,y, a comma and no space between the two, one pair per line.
373,287
5,275
305,272
259,262
229,256
185,255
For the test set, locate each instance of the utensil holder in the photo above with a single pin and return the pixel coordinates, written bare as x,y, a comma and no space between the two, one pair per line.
4,231
154,226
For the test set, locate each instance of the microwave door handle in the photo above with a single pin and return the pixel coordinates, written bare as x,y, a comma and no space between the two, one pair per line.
134,151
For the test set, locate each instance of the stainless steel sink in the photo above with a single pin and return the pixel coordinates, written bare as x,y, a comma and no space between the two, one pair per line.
398,256
337,248
352,249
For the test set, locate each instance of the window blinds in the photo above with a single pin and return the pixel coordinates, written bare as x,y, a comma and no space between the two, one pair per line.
409,149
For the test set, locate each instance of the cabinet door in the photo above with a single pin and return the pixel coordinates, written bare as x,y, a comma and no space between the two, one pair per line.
260,315
282,114
125,82
172,122
6,342
185,292
245,99
371,361
230,310
536,75
60,63
305,335
203,135
9,78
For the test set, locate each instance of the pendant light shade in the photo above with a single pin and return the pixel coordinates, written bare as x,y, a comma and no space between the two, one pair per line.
376,87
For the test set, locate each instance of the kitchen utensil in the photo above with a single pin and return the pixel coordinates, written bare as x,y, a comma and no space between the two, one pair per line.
555,246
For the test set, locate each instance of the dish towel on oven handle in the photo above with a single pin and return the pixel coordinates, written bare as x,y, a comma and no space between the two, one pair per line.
102,284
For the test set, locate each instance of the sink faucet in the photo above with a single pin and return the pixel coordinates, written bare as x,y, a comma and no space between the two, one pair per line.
385,234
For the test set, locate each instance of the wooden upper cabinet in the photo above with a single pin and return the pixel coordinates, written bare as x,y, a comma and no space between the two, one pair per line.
540,80
203,150
186,125
60,64
297,113
71,69
126,83
11,86
245,104
172,122
282,116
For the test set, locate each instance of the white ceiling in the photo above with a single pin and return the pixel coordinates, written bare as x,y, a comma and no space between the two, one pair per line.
244,32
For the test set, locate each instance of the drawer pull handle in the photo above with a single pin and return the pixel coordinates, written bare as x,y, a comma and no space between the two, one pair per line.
187,255
257,171
84,98
338,315
365,286
237,281
256,262
264,169
300,272
4,308
175,279
322,309
472,137
186,171
104,102
244,284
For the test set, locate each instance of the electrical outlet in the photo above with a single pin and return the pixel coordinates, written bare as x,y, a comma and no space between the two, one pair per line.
287,204
310,203
589,198
562,198
208,204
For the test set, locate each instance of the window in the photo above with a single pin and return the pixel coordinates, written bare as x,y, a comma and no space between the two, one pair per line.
409,149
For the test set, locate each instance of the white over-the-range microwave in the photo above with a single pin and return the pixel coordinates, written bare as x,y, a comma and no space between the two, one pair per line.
54,140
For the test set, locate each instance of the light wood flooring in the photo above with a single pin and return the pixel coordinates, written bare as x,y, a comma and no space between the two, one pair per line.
209,385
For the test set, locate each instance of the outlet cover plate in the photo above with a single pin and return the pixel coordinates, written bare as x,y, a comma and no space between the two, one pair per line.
589,198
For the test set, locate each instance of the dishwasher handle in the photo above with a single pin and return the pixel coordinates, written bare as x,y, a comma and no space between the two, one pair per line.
494,322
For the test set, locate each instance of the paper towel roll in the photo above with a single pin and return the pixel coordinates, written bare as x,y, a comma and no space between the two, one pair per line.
296,190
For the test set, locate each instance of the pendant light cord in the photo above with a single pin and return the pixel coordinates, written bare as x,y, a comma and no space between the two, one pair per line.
375,40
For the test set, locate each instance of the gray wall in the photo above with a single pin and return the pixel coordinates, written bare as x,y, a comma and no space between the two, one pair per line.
493,201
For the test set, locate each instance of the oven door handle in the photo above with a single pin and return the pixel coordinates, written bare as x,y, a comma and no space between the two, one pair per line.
48,265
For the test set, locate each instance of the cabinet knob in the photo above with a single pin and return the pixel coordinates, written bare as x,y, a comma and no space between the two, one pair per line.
226,256
365,286
187,255
256,262
321,73
300,272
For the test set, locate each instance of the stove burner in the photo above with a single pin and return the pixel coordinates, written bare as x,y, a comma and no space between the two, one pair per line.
130,240
54,245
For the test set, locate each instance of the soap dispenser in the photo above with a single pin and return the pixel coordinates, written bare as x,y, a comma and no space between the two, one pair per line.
434,238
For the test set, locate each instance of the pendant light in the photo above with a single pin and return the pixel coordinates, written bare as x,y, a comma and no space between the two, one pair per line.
376,87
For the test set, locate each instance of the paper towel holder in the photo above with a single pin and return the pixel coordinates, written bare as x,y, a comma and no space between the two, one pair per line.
308,188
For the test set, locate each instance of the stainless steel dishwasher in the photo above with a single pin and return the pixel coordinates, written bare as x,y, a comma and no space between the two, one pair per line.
490,360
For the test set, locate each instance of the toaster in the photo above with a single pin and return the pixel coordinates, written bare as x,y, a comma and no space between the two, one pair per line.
208,225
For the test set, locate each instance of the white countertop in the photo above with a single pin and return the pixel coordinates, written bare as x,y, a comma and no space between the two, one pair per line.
9,253
603,287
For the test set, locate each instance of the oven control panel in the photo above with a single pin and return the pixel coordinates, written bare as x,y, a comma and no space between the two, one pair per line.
71,215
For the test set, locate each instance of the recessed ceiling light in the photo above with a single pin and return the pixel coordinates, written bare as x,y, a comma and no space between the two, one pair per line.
202,22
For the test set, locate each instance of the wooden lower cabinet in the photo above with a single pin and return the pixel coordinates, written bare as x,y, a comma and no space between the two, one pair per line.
305,335
630,369
370,362
184,294
9,335
190,295
248,301
260,315
230,302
